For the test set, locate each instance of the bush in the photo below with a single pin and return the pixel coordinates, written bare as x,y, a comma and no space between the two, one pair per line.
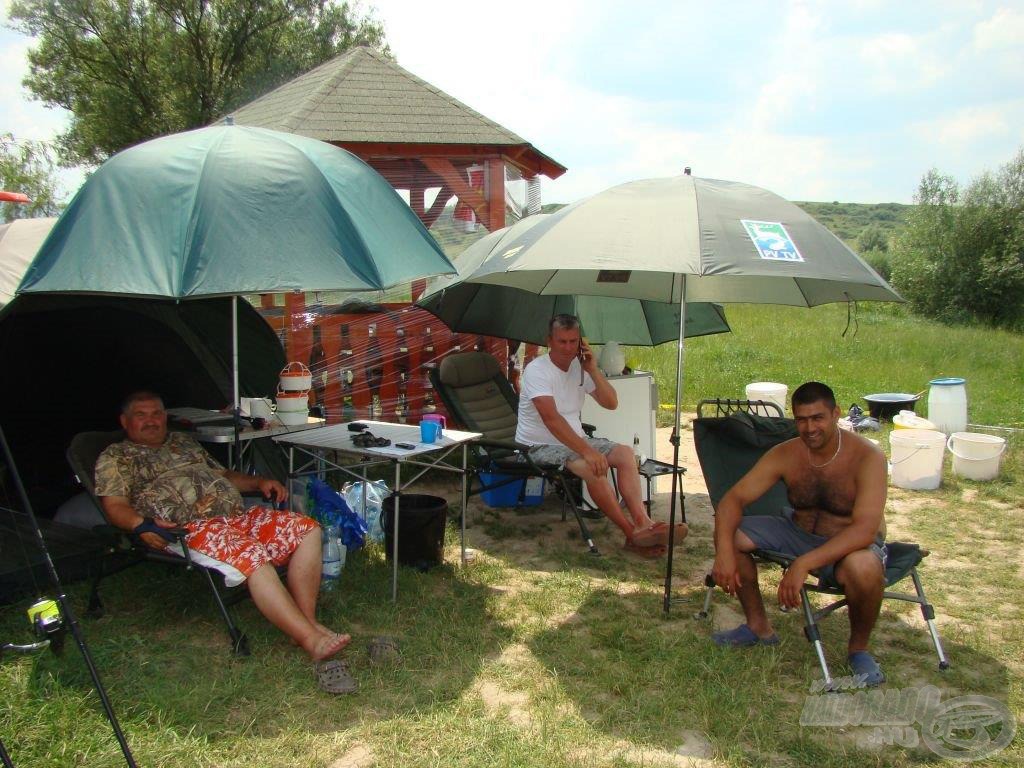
879,261
962,255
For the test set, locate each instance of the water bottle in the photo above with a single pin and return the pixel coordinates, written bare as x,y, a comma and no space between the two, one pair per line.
331,568
637,456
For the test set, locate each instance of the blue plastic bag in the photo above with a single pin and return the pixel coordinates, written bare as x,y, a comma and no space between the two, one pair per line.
328,508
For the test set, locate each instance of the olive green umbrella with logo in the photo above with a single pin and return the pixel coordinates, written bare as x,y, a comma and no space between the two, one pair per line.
514,313
681,240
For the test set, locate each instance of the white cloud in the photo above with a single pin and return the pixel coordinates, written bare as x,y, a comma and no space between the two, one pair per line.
973,125
897,61
1004,30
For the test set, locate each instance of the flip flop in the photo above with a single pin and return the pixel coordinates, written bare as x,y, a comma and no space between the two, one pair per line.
650,553
742,637
866,669
682,529
333,677
649,537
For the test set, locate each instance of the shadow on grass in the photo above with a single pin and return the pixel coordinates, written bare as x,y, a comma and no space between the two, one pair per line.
634,673
164,653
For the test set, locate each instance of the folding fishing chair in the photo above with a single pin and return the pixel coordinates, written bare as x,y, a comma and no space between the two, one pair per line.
478,396
82,455
730,436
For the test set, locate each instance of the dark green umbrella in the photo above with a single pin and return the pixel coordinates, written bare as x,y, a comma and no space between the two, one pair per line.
233,210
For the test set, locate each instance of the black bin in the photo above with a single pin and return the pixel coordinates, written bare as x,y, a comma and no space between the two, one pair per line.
420,529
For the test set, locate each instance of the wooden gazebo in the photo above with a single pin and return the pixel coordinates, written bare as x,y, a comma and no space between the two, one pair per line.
419,138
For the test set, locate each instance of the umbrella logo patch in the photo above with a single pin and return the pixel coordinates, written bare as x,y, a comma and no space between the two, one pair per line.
772,240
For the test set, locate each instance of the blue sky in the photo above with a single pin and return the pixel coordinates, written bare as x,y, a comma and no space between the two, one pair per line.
849,101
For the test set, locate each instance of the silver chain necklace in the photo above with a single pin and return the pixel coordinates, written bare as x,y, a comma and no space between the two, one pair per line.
838,448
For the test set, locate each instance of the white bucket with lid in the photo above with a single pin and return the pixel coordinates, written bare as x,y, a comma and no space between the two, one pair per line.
947,404
770,392
916,458
976,456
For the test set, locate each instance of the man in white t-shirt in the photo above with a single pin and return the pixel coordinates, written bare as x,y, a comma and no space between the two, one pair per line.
550,400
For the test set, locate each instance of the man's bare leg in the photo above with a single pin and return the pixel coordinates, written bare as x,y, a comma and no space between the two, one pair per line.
304,574
603,494
862,578
749,593
277,604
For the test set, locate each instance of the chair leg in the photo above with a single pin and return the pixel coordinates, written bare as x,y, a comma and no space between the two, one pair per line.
239,642
928,612
709,582
584,531
814,637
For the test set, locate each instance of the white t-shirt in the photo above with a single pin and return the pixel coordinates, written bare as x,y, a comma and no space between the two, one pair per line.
542,378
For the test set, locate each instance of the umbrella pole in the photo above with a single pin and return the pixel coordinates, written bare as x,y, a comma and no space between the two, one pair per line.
676,477
237,411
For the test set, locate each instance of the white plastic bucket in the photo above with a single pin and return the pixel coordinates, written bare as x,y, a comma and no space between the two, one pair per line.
916,458
770,392
947,404
976,456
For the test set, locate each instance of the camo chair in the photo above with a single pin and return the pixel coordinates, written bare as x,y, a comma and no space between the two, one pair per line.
730,436
82,455
479,397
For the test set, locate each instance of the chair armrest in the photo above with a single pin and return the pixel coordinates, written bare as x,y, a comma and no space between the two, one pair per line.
589,429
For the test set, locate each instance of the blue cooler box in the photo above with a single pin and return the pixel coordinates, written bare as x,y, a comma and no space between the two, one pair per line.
508,495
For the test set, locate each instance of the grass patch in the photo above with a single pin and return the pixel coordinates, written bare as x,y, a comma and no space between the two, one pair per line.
539,654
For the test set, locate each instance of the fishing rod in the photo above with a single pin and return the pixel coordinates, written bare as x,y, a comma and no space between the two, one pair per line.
51,617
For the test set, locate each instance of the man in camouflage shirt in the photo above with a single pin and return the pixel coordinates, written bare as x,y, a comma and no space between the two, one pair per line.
155,480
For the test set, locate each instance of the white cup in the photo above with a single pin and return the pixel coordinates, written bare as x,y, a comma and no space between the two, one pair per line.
260,408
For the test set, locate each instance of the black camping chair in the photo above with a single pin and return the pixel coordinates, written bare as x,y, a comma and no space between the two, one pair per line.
729,441
82,454
479,397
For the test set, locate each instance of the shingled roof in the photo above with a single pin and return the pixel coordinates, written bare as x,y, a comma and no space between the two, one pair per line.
361,96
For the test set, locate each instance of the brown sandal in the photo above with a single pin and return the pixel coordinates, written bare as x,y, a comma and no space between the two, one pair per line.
649,553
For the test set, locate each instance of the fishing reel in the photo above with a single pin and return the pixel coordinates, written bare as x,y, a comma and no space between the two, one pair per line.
48,627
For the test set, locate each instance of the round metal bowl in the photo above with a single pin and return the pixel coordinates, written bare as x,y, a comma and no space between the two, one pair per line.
885,405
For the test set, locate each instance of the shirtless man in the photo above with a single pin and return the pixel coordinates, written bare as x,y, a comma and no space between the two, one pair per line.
836,481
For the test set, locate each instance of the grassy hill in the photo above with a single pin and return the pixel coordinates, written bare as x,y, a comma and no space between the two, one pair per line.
848,220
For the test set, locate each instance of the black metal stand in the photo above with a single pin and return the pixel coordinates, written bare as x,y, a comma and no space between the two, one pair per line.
69,617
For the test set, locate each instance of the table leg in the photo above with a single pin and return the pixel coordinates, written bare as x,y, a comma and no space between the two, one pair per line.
465,496
394,548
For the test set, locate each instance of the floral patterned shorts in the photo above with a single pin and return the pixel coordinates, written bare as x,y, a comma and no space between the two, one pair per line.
249,540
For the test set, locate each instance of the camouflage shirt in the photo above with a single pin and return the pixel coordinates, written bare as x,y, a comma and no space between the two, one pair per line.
178,481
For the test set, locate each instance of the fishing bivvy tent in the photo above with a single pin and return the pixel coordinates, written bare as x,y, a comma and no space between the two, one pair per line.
69,361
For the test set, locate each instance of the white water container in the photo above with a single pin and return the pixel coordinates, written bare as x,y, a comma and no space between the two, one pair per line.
947,404
916,458
770,392
976,456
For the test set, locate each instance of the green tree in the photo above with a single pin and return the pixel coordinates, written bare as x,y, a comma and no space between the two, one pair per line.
131,70
28,167
962,255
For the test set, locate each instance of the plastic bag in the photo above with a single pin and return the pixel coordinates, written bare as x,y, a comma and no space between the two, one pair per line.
376,492
329,508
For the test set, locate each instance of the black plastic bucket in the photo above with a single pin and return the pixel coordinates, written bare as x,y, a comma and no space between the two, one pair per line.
420,529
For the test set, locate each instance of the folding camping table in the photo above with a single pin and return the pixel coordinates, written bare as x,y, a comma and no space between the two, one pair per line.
312,445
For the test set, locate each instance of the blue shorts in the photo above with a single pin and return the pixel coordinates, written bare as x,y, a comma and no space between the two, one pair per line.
780,534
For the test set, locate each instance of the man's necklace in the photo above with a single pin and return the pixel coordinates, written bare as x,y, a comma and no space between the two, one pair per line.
838,448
